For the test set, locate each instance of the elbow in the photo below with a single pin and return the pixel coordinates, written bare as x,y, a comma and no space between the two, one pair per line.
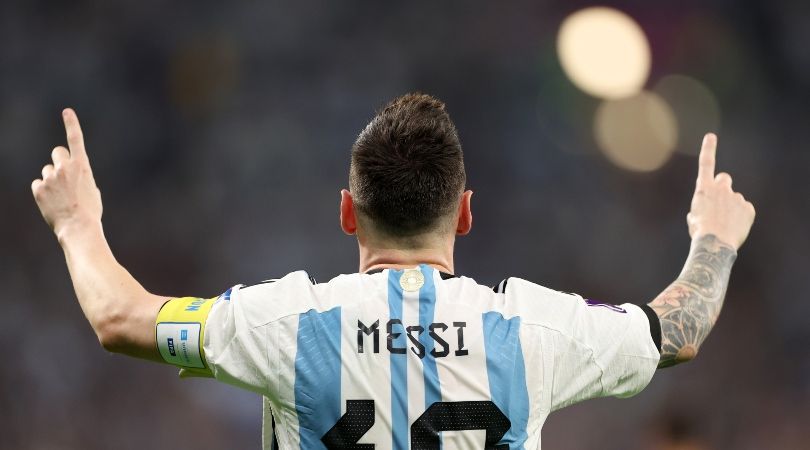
684,354
687,353
109,331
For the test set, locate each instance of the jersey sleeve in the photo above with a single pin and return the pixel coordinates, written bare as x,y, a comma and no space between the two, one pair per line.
597,349
231,337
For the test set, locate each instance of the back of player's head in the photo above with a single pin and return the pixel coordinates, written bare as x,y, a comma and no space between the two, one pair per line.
407,167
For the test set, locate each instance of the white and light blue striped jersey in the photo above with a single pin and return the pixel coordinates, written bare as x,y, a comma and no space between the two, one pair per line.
418,359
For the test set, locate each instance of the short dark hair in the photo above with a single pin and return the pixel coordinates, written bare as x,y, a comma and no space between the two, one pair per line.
407,167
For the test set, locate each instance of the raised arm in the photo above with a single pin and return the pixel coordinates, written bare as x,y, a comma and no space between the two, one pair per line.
719,222
120,310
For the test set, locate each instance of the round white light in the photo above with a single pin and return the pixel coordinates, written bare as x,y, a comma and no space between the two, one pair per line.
604,52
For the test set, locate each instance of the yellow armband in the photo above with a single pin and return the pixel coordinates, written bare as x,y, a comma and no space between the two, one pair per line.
179,333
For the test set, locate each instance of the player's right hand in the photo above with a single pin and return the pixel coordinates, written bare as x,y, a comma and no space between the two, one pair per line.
716,208
67,193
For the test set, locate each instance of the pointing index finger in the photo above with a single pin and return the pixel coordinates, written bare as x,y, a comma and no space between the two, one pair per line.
706,161
74,134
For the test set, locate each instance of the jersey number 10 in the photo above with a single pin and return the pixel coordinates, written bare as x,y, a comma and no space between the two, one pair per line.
440,416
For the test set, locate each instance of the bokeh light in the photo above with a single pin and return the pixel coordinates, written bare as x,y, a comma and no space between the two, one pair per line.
604,52
695,108
637,133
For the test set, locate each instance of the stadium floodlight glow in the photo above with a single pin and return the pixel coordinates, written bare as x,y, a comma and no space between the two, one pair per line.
604,52
637,133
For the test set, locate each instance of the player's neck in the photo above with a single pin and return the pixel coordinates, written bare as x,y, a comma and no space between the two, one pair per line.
377,256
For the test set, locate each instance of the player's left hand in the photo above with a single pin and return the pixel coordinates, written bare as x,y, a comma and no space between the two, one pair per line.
716,208
67,194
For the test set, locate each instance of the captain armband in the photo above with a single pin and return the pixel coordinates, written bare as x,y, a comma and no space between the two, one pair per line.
179,333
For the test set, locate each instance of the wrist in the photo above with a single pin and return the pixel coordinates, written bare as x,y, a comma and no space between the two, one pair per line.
717,240
78,228
710,242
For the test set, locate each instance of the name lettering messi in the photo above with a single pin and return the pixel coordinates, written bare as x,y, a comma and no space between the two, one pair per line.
417,336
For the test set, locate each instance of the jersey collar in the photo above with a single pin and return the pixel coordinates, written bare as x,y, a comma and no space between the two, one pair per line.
444,275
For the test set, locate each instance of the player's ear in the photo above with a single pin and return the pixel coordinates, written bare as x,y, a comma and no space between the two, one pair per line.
464,214
348,221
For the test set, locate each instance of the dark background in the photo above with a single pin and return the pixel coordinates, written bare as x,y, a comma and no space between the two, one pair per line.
220,135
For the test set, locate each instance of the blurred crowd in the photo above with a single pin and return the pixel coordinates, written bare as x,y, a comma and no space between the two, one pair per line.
220,136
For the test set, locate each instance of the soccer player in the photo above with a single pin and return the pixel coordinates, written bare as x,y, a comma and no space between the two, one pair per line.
404,353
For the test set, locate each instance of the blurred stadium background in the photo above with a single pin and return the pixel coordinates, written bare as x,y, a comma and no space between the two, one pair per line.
220,137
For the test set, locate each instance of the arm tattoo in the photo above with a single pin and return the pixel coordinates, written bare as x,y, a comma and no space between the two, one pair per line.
689,307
